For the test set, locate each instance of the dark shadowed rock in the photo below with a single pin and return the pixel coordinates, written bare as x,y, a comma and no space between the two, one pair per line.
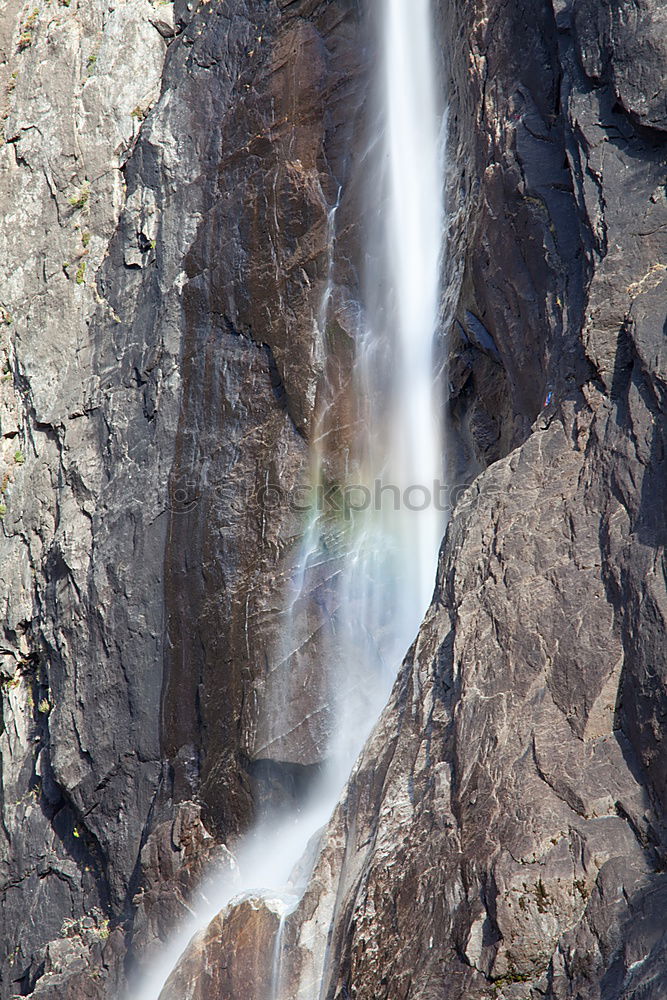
626,44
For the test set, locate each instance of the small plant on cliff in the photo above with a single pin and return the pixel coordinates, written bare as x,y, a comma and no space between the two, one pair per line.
81,273
3,510
69,927
25,39
80,200
44,706
510,978
19,457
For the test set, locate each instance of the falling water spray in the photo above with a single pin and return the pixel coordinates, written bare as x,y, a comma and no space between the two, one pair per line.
388,570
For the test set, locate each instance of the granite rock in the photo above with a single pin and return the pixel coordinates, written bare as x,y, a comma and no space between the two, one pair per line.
169,174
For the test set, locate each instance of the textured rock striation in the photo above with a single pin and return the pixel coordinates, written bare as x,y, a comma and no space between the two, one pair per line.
79,540
168,172
168,175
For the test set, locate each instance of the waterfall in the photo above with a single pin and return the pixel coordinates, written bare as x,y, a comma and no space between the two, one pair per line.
416,221
276,965
390,545
388,579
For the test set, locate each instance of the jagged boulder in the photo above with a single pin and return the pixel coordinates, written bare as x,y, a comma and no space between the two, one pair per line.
235,952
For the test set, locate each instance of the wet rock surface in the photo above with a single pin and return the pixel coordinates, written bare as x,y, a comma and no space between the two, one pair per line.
278,129
169,176
237,947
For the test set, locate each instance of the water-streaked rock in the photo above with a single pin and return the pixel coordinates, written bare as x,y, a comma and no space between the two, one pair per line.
232,957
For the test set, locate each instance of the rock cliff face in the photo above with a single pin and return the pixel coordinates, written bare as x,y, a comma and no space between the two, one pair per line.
167,178
503,833
168,173
80,474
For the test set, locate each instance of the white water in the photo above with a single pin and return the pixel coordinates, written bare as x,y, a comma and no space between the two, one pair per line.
387,580
265,862
416,223
389,575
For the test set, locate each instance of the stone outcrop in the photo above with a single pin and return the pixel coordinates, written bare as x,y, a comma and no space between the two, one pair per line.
168,175
178,858
237,947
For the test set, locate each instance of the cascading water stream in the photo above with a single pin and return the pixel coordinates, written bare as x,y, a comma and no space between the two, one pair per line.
387,582
388,572
416,222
